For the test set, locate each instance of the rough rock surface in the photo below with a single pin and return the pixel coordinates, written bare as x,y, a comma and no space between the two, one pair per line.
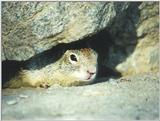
29,28
136,36
128,98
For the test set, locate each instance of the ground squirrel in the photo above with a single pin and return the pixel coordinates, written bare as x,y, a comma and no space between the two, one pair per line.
74,67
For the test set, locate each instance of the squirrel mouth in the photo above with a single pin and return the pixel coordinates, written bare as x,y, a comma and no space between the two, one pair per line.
90,75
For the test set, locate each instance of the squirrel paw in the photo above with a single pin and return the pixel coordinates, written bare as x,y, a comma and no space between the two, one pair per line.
44,85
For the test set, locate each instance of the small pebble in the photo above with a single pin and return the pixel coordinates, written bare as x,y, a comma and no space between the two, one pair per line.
11,102
123,79
23,96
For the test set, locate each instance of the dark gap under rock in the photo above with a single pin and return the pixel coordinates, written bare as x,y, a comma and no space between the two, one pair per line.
100,42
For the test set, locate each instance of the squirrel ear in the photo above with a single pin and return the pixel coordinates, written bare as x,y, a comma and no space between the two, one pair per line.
67,52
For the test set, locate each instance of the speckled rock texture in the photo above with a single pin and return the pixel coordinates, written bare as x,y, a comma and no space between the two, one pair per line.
127,98
29,28
146,53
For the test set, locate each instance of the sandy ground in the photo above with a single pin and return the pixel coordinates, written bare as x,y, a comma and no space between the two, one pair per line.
135,97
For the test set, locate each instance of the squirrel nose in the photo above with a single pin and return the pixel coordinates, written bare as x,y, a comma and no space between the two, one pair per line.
90,72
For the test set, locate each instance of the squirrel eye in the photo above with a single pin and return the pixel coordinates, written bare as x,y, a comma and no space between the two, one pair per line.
73,57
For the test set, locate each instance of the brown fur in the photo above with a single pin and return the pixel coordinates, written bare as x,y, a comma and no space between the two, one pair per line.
60,72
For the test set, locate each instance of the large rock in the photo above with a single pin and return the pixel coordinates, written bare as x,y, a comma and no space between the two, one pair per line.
29,28
145,56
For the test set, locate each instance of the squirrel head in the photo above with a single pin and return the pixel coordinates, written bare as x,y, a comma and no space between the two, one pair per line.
80,64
